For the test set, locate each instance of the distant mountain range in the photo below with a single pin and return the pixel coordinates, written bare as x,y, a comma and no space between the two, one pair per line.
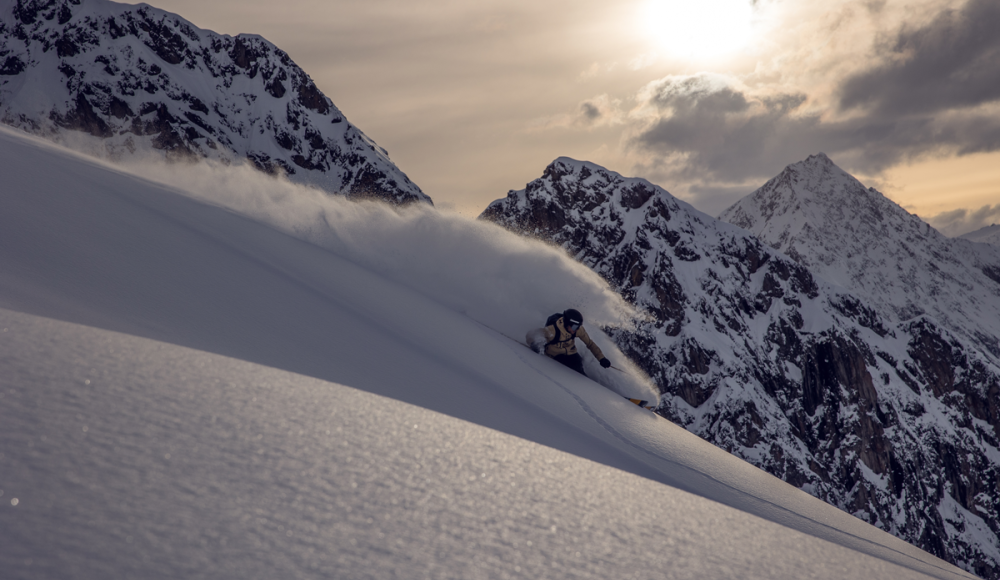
988,235
134,79
826,336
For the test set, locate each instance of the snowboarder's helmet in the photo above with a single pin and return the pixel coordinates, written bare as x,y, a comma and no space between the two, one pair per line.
572,317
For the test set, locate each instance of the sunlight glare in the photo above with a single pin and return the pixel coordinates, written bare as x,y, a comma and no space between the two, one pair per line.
698,29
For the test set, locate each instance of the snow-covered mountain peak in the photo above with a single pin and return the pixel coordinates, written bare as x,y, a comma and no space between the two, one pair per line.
815,197
812,171
573,194
569,177
857,238
818,162
126,80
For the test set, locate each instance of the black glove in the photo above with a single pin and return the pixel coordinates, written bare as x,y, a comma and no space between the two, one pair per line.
605,363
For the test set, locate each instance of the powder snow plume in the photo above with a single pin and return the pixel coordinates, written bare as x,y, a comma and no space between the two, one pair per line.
502,280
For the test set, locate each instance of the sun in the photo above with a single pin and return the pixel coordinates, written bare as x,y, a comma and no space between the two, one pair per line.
698,29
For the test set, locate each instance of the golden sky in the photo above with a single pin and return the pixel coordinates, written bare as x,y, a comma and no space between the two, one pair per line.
708,99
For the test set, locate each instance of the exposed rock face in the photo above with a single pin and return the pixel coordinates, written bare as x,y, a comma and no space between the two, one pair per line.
893,421
135,79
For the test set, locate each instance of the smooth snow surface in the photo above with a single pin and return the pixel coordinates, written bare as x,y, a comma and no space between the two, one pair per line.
144,453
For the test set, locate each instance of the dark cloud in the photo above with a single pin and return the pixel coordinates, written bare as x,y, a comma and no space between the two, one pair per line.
931,94
599,111
725,133
874,6
590,111
953,62
688,94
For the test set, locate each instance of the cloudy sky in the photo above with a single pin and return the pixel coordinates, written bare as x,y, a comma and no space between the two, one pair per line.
708,99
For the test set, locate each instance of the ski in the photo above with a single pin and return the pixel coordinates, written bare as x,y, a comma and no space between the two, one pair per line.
642,403
646,405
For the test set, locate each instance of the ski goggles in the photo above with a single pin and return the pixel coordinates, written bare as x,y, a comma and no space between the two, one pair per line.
573,325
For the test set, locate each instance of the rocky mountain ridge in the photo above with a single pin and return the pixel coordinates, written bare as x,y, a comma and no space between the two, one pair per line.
826,220
122,80
894,421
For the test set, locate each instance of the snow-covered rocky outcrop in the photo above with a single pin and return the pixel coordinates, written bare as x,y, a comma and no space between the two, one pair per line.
135,79
892,420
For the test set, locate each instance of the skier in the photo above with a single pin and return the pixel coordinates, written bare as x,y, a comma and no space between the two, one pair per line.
558,340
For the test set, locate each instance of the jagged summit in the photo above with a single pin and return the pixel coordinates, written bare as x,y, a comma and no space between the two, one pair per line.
815,198
567,165
572,194
123,80
854,236
568,162
566,178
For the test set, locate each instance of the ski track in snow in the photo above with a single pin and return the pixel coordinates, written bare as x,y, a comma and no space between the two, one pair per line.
328,305
854,541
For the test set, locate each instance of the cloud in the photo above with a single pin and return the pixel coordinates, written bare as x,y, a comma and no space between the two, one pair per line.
590,112
962,221
734,134
498,278
924,90
599,111
951,63
722,130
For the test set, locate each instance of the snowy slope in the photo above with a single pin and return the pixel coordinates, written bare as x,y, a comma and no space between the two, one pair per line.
894,422
157,457
130,81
